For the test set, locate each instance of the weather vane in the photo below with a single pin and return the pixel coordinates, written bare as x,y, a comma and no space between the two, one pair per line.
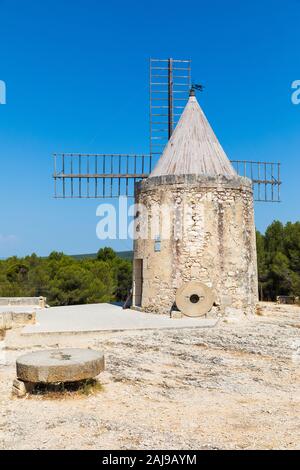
196,87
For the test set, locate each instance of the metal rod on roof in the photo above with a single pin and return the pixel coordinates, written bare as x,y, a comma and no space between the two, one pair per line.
88,180
150,110
258,174
272,177
63,170
127,168
96,171
103,183
55,188
119,180
170,96
279,182
72,178
265,173
79,167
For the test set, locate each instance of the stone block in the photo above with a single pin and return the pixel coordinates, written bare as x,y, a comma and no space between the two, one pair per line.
176,314
20,388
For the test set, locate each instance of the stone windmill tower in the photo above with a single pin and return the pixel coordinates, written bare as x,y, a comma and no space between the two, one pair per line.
195,237
198,215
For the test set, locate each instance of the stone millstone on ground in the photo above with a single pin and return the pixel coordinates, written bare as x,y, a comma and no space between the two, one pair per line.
59,365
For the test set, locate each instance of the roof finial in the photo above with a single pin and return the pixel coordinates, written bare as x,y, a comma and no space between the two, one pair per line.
195,87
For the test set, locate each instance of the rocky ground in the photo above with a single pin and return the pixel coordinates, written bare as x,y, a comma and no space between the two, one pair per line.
235,386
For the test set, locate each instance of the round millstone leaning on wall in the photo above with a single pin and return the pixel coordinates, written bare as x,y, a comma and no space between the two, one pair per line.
195,228
194,299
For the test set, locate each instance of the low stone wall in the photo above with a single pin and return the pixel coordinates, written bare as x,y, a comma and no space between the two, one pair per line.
10,320
23,301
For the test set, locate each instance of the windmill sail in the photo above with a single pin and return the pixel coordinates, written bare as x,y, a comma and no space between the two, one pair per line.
112,175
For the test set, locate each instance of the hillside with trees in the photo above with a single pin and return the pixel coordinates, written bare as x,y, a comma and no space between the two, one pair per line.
278,259
65,280
106,277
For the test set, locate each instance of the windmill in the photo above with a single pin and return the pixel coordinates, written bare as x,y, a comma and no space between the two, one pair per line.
215,262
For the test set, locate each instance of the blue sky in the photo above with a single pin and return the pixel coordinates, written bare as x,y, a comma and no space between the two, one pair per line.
77,80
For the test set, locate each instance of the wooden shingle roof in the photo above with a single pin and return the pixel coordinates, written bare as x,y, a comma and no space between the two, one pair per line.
193,148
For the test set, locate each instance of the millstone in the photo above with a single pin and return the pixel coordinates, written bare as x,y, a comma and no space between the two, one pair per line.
59,365
194,299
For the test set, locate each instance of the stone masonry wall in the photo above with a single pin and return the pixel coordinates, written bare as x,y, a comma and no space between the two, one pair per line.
214,241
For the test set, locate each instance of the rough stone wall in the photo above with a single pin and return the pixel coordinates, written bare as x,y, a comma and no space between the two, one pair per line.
214,242
10,320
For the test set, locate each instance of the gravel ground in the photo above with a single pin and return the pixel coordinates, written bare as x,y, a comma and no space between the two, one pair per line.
235,386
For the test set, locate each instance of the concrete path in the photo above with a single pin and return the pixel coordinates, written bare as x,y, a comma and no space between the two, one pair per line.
106,317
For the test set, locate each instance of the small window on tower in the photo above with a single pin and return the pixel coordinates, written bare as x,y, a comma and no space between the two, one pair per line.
157,244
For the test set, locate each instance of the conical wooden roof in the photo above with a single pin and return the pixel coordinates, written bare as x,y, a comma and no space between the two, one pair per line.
193,148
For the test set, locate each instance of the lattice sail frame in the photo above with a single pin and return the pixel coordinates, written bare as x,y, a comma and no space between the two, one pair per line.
114,175
170,84
78,175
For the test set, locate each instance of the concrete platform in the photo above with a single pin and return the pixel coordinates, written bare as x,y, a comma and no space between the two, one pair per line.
105,317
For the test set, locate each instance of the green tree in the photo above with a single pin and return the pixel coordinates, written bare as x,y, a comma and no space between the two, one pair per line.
292,245
278,260
280,275
123,279
106,254
274,238
261,264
